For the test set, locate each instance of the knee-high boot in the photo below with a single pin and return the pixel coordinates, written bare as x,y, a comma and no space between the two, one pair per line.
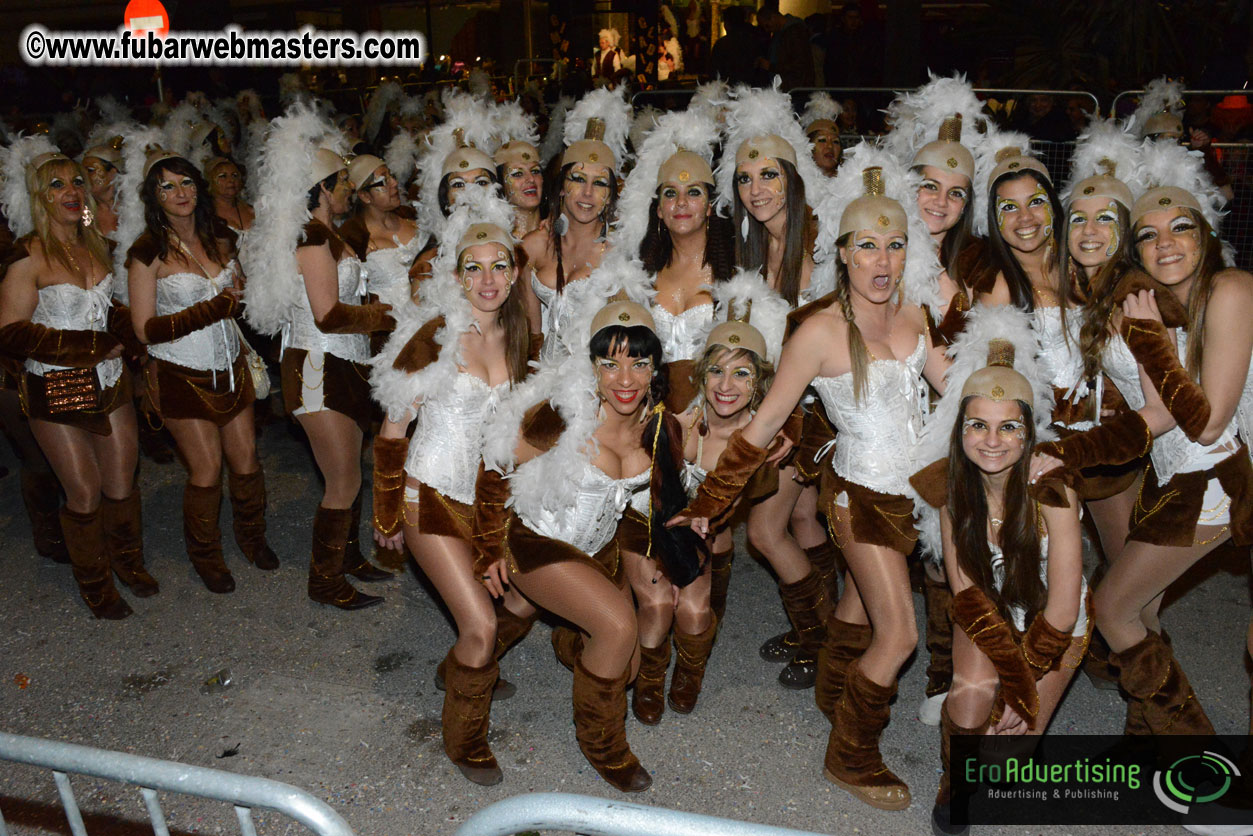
853,760
510,629
693,651
845,642
84,539
123,524
355,563
938,601
327,584
467,708
807,606
204,537
720,581
41,494
1158,688
248,518
600,725
567,645
827,560
649,702
941,813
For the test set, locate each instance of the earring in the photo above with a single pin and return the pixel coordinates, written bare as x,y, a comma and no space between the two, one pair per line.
87,218
744,227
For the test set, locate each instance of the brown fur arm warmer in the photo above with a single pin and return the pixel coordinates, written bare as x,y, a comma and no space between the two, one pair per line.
1151,345
163,329
357,319
75,349
978,617
389,483
491,519
1043,646
736,466
1117,441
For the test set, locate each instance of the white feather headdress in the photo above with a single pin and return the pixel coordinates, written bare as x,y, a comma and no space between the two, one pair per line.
401,155
479,83
612,108
711,96
554,137
510,122
251,145
1102,143
111,110
1161,95
464,115
690,130
762,111
1171,164
820,106
644,121
969,352
746,292
383,98
919,285
178,128
269,250
916,116
14,199
136,141
985,162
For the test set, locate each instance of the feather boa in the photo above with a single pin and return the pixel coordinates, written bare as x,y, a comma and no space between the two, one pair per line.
970,353
251,144
14,198
127,203
401,155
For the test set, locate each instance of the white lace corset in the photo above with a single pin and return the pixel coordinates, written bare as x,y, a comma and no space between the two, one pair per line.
387,271
875,436
693,476
682,335
302,332
554,316
592,521
447,443
1018,613
213,347
1060,357
68,307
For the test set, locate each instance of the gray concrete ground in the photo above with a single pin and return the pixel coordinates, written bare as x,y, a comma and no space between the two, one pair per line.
343,705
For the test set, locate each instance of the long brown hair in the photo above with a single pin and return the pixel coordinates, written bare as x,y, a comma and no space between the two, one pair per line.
96,243
1209,266
858,354
511,316
553,195
1020,533
751,252
1098,294
210,229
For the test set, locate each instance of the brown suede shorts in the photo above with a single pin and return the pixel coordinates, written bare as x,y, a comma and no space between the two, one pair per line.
1167,515
96,421
877,519
344,386
179,392
529,551
438,514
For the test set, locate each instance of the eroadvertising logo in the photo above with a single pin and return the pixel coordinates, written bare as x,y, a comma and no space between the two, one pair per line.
1195,779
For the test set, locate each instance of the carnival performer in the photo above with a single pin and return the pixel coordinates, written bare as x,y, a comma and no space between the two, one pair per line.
58,318
1025,227
226,187
821,129
582,204
185,288
765,175
866,353
1196,409
101,164
448,364
309,287
382,228
590,430
1014,561
519,167
607,59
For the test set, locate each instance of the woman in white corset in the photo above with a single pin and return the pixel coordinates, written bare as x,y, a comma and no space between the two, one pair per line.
226,187
383,229
184,289
57,317
869,356
447,365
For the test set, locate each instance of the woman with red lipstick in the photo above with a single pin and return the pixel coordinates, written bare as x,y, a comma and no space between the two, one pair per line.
226,187
868,354
184,293
447,365
57,317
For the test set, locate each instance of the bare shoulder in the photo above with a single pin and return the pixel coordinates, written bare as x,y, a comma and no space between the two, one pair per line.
536,245
1232,285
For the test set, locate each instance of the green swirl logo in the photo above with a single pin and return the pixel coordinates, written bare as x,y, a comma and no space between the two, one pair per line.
1194,779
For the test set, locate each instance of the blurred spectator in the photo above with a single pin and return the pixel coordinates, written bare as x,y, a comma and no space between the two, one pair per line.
693,42
734,56
854,50
1079,111
848,119
608,59
1039,117
789,55
669,53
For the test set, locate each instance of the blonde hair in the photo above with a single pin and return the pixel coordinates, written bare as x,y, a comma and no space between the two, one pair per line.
96,243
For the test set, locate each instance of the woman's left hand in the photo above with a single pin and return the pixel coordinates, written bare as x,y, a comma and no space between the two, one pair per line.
392,543
1010,724
1141,305
1042,464
496,578
782,446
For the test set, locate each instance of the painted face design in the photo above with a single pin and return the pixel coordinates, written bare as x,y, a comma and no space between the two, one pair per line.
994,434
942,198
1168,242
729,384
458,180
66,194
176,193
876,262
1024,214
622,381
487,275
585,194
761,187
525,185
1094,232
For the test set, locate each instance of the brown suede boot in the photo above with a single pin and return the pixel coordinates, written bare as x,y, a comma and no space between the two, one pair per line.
1150,675
939,605
84,539
355,563
942,812
204,537
248,518
567,645
123,524
827,560
720,581
853,760
780,648
327,584
1096,664
467,707
510,629
807,606
41,494
649,701
600,726
693,651
845,642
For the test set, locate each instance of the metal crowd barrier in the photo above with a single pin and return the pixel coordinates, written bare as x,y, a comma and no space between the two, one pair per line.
150,775
602,817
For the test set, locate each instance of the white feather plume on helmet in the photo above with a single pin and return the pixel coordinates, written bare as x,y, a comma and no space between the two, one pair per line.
511,123
969,352
985,161
387,94
916,115
820,107
1105,147
464,116
1161,95
677,130
14,197
1171,165
178,128
645,120
754,112
712,96
269,250
137,140
613,110
401,155
920,284
397,390
746,293
554,137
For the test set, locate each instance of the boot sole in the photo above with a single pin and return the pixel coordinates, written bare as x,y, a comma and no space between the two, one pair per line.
860,794
481,776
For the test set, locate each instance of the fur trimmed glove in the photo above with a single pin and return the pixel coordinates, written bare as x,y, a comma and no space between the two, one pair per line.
1184,398
978,617
74,349
163,329
357,319
389,483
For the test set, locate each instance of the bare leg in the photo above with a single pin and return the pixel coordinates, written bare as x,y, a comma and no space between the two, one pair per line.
448,562
336,443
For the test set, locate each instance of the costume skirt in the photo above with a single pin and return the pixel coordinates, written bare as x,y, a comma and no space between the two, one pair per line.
877,519
529,551
34,396
1221,495
436,513
316,382
179,392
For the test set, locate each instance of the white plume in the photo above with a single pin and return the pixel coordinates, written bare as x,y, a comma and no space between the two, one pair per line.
126,200
473,117
711,96
384,96
178,128
14,199
769,310
1105,139
985,162
1161,95
510,122
401,156
916,115
553,137
251,144
111,110
644,121
1170,164
476,204
820,106
612,108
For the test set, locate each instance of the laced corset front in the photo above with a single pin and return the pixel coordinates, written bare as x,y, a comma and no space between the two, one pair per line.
302,332
213,347
1172,452
554,316
447,443
387,271
68,307
875,436
682,335
1060,357
591,522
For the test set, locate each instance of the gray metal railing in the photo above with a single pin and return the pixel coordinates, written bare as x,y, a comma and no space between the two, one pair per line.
150,775
604,817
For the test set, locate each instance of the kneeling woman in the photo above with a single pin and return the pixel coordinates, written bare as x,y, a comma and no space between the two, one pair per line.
184,291
448,364
602,435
